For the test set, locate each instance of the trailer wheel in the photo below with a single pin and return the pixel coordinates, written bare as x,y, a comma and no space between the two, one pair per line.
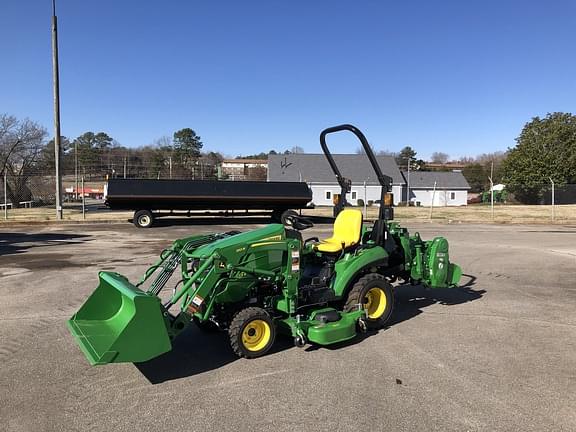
143,218
376,295
252,333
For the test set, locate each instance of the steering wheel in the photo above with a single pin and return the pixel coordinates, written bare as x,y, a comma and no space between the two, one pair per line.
293,220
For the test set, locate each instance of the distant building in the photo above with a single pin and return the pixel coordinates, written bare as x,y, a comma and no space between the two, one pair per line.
315,170
243,169
438,187
87,192
451,187
448,166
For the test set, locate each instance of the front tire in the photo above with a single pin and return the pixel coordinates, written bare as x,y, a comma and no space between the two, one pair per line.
376,295
252,333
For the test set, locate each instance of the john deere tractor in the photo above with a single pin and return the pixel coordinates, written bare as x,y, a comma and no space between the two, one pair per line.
258,284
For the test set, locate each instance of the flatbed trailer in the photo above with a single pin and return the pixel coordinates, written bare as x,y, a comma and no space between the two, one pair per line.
150,198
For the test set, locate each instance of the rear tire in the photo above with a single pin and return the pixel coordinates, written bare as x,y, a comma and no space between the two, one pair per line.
377,296
143,218
252,333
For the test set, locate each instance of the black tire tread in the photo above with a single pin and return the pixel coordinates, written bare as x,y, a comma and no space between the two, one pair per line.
138,213
236,326
356,291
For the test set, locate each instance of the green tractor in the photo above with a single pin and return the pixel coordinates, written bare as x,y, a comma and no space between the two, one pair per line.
265,282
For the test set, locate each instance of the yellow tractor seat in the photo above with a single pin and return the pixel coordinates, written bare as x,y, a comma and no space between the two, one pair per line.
347,230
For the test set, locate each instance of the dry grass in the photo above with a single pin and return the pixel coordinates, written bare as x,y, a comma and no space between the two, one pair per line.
45,214
476,213
471,214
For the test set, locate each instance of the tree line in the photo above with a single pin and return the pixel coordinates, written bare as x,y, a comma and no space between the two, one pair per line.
98,154
545,151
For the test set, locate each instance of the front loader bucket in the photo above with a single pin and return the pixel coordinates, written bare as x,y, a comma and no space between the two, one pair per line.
120,323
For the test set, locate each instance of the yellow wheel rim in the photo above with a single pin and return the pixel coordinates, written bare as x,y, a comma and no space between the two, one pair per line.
375,303
256,335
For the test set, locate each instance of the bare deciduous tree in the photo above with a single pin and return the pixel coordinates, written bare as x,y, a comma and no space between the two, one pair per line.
21,142
8,139
386,153
21,146
297,150
439,157
164,142
486,158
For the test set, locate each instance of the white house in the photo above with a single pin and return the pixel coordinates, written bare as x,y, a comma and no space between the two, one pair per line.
437,187
315,170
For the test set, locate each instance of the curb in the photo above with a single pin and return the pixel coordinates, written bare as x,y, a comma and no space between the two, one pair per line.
9,223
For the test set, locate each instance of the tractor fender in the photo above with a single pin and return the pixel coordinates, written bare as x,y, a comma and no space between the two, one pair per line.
349,268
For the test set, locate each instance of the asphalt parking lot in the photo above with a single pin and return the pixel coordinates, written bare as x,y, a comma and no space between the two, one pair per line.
497,354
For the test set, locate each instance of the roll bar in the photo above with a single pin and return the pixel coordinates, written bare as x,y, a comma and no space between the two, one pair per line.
345,184
384,180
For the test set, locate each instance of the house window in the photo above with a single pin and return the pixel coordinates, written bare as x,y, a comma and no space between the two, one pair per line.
354,194
328,195
452,195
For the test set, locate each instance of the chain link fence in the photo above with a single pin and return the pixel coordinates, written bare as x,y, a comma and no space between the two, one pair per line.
32,197
538,194
143,162
27,191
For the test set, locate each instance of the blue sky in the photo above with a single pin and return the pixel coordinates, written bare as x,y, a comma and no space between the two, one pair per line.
460,77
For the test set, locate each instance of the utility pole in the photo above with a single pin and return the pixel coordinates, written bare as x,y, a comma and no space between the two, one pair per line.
170,165
56,87
124,166
491,190
76,166
432,203
83,200
408,186
5,195
365,199
553,199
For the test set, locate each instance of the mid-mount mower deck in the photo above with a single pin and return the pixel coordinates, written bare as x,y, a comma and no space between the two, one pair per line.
270,280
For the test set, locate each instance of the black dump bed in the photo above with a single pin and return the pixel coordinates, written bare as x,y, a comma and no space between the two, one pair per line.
133,194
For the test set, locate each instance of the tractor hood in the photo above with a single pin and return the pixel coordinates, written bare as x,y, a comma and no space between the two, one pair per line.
273,232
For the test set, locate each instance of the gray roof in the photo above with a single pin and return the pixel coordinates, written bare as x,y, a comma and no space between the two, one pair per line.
314,168
443,179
